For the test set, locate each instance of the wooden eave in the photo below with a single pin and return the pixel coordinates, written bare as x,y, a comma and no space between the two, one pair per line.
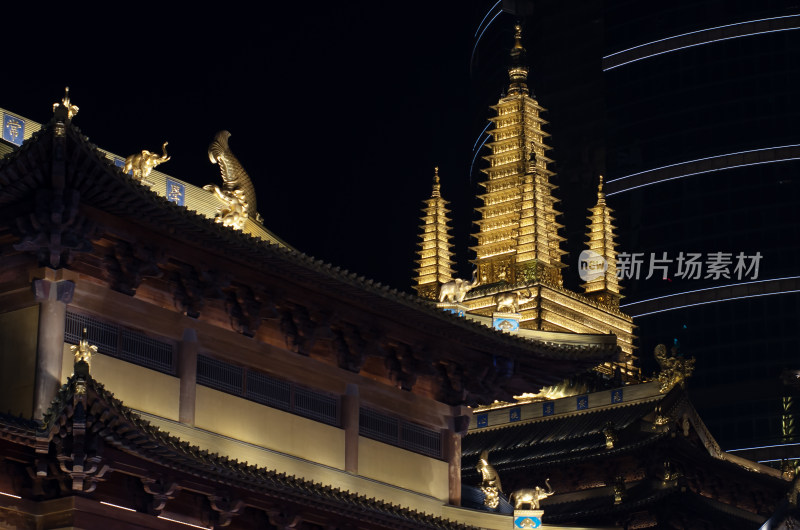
131,445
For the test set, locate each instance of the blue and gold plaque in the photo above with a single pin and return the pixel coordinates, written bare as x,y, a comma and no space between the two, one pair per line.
616,396
13,129
548,408
583,402
483,420
176,192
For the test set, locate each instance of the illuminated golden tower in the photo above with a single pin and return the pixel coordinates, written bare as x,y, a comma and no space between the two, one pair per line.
435,263
604,286
518,239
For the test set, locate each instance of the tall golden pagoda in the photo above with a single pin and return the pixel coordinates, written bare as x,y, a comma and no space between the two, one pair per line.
517,235
519,285
603,285
435,263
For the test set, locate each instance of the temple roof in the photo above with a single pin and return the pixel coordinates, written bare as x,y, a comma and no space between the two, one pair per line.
83,401
644,495
622,462
90,178
562,438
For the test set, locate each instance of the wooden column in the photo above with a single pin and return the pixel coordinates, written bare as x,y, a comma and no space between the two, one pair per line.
459,423
350,408
187,371
53,295
452,442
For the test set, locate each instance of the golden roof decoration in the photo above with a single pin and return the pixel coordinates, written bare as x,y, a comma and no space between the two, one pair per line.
83,352
72,110
675,369
142,164
237,193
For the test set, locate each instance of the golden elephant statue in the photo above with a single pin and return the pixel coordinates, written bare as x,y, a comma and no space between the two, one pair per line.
531,496
143,163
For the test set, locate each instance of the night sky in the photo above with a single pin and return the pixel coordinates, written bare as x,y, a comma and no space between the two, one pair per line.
338,111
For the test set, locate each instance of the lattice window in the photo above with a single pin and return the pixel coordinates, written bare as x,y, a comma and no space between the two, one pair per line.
145,351
220,375
400,433
316,405
420,440
378,426
269,391
102,334
116,341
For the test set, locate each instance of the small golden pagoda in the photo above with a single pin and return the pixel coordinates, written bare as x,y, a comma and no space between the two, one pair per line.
603,286
435,263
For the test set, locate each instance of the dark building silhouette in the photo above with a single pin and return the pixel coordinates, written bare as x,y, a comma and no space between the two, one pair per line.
702,149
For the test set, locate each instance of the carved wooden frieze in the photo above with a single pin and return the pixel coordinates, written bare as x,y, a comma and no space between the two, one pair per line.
285,518
55,230
159,491
129,264
349,346
244,309
188,291
224,509
401,366
299,329
450,379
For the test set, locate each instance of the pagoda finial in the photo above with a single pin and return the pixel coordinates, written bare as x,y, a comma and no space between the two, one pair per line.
70,109
601,195
518,36
518,71
436,186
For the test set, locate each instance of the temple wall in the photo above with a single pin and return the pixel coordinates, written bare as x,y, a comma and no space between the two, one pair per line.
402,468
267,427
18,333
137,387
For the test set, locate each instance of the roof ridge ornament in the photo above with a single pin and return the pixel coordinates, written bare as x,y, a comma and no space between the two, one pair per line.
490,481
237,192
675,368
66,108
83,352
518,70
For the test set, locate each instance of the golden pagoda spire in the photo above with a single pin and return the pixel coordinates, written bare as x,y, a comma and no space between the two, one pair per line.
518,71
437,187
602,284
435,263
518,239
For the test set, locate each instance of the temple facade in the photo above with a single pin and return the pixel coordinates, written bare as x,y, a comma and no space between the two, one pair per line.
168,361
